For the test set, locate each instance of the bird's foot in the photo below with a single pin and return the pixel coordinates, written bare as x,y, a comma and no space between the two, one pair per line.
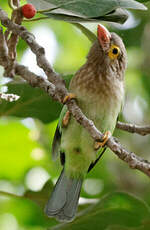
99,144
66,119
69,97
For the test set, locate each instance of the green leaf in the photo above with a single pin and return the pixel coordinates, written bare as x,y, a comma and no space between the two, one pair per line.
94,8
85,10
28,214
33,102
118,15
143,1
117,227
15,156
114,209
41,197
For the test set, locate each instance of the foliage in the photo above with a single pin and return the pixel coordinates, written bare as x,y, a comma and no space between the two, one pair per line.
82,11
25,159
114,209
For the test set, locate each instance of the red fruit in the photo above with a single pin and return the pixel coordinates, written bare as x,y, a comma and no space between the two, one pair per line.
28,11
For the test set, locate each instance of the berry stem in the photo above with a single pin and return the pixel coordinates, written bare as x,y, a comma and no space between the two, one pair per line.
47,10
35,19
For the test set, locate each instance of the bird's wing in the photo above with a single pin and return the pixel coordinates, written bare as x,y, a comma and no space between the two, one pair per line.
57,136
95,162
121,111
56,143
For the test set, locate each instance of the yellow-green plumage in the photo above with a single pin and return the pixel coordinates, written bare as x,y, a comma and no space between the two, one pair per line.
99,90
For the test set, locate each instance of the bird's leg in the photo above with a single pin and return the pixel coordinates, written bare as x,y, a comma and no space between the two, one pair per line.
69,97
99,144
66,119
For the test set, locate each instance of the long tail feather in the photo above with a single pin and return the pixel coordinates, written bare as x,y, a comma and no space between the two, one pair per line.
64,199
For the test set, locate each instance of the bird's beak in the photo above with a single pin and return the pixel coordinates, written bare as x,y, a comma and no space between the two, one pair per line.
104,37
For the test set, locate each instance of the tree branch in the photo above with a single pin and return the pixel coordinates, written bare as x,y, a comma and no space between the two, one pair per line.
142,130
55,87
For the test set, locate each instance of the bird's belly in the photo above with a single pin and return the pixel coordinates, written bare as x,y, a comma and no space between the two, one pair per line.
78,146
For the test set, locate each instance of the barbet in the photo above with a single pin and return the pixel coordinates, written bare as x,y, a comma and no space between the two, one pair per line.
99,90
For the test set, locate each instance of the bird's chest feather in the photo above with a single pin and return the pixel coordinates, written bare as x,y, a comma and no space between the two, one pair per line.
100,99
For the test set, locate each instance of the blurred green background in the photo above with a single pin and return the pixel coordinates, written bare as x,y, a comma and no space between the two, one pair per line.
26,167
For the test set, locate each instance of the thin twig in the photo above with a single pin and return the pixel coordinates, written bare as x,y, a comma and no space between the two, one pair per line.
5,61
55,87
12,42
142,130
2,193
12,195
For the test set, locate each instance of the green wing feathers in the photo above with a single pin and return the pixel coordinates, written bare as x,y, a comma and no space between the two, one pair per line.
57,137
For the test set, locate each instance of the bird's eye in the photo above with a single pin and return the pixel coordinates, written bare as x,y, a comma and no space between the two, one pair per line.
113,52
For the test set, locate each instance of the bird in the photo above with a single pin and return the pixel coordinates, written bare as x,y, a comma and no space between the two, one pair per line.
98,88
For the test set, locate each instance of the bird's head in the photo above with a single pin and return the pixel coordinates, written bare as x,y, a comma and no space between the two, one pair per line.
109,51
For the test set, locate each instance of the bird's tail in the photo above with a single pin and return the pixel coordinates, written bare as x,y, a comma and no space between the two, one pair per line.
64,199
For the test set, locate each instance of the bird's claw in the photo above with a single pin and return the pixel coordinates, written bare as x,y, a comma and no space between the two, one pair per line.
69,97
105,138
66,119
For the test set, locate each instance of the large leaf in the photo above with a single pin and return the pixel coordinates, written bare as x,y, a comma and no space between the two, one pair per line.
41,197
117,208
85,10
95,8
33,102
117,227
143,1
15,157
118,15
